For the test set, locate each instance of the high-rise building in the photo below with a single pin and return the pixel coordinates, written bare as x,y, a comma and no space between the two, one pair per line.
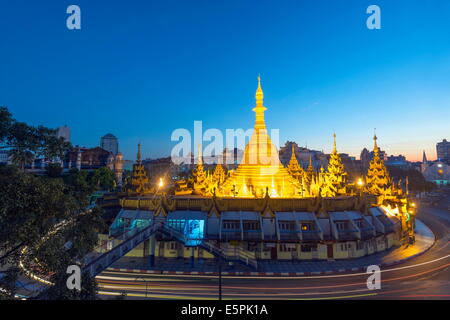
443,151
4,157
64,132
110,143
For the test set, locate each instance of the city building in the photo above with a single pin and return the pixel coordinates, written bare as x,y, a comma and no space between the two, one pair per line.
268,211
443,151
5,158
398,161
437,172
303,155
63,132
110,143
93,158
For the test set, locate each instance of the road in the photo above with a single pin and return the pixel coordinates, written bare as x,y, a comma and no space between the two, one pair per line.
424,277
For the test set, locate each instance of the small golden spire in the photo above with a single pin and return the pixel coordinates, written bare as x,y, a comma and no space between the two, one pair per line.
200,157
334,143
310,167
375,146
139,153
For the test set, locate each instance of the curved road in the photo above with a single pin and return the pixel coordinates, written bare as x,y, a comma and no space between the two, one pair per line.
424,277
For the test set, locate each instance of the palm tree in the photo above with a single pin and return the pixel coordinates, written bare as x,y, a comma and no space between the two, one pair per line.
21,157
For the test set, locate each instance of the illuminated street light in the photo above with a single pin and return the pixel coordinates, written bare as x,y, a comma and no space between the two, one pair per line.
161,183
360,182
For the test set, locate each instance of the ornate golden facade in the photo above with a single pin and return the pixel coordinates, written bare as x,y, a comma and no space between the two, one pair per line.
261,175
260,171
378,181
139,178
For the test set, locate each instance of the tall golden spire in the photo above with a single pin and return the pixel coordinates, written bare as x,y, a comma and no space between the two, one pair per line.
259,108
260,168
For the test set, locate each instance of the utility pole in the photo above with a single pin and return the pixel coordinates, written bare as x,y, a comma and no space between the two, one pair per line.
146,284
220,277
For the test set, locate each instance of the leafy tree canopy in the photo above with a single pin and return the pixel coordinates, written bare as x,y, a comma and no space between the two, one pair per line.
26,142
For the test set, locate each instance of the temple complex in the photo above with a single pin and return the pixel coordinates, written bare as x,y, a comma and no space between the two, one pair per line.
261,172
269,211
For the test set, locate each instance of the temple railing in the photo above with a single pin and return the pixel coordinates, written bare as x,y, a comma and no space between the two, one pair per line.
95,265
228,254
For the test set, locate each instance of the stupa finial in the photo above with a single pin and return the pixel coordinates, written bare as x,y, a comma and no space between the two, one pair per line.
199,159
259,108
139,153
334,143
375,146
259,96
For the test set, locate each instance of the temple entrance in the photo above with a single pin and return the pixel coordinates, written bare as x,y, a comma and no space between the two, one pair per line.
330,251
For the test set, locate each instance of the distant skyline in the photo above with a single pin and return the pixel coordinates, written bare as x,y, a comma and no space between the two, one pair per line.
141,69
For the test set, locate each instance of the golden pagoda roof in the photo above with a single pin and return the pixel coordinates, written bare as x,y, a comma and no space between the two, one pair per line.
261,168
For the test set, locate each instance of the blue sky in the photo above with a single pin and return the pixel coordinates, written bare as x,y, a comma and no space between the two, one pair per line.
140,69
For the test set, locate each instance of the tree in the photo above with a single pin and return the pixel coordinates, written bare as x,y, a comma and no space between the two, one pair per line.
54,170
78,183
59,290
30,206
8,283
5,123
102,179
26,142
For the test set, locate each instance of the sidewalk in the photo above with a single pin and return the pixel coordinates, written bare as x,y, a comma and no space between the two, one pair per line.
424,240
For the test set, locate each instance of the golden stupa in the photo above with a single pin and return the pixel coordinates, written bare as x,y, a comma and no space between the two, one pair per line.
260,170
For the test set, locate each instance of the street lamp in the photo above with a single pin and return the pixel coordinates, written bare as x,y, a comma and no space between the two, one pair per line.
146,284
360,184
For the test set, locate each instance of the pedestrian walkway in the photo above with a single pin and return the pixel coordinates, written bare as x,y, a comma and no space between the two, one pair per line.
424,240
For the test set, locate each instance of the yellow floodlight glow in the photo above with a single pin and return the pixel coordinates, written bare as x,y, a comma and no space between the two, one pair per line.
161,183
360,183
393,212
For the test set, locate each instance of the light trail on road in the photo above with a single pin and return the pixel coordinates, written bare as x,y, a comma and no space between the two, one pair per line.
408,280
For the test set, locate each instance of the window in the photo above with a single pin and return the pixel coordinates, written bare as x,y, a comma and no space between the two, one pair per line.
343,247
177,224
251,225
173,245
359,223
231,224
288,247
308,247
287,225
308,226
342,225
359,245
